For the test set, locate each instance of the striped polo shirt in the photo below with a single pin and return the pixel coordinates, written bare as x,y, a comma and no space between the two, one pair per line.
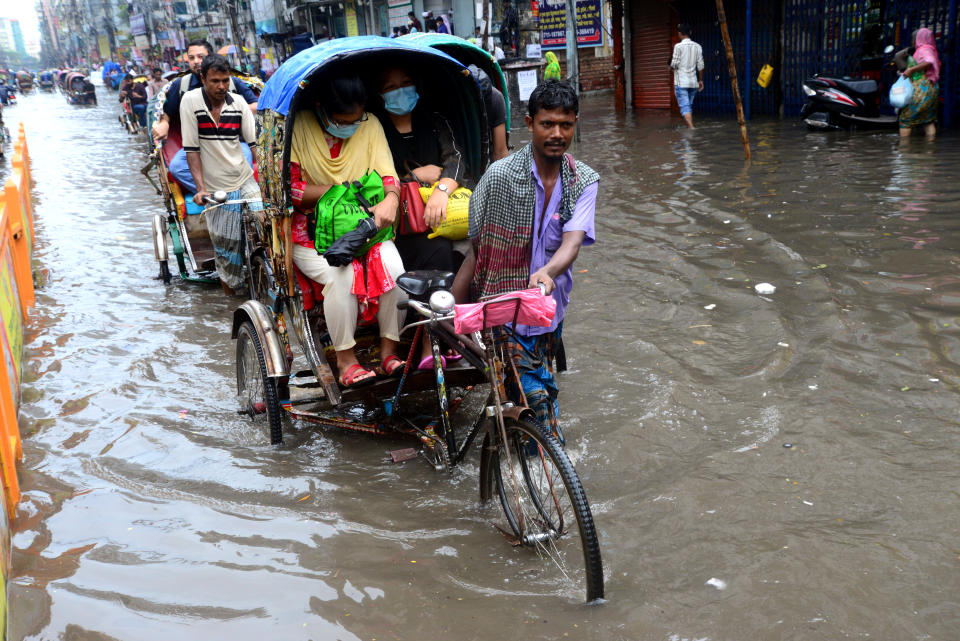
218,143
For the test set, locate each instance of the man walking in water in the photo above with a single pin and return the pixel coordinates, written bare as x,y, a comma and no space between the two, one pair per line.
214,123
687,65
529,216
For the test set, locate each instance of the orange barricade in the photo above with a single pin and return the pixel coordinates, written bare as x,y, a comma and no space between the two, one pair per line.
16,299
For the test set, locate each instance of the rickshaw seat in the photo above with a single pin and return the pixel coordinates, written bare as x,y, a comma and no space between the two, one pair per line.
421,283
171,145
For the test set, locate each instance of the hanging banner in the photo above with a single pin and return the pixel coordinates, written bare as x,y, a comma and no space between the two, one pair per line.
103,44
350,15
553,23
138,25
264,16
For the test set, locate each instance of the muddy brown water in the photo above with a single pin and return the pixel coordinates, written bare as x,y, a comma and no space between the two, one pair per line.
151,510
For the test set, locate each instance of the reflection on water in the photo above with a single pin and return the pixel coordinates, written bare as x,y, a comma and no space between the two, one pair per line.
151,509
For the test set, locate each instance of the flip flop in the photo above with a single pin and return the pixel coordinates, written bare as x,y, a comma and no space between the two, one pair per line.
354,376
392,366
427,363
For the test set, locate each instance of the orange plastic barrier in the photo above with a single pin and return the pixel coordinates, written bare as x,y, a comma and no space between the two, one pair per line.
16,299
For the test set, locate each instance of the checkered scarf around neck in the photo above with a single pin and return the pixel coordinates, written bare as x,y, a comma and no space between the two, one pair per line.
502,214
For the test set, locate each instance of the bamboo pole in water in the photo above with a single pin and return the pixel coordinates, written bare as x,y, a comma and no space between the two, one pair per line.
722,16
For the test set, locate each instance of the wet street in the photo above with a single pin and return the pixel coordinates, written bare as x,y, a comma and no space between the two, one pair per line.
778,467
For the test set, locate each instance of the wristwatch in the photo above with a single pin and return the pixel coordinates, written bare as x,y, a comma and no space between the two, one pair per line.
443,188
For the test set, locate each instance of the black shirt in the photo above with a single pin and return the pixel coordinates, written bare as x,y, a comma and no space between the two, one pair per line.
496,108
430,142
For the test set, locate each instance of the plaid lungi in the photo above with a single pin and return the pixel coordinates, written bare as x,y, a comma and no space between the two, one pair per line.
533,358
225,226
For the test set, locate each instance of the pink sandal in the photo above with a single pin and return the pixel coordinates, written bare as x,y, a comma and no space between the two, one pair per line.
427,363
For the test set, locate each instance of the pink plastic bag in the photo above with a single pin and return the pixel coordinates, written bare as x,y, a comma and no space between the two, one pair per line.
535,309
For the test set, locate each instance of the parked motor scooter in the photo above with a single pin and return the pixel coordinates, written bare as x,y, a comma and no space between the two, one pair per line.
844,103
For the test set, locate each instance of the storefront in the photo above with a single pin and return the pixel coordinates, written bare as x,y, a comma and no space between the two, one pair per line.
798,38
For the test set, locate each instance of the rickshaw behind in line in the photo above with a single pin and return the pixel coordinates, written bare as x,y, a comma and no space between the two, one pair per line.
183,229
79,90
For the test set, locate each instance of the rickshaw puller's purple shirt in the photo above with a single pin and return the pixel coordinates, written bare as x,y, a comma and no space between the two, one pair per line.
547,236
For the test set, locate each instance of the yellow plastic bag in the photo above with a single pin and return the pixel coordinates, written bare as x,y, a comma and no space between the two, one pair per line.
455,227
766,74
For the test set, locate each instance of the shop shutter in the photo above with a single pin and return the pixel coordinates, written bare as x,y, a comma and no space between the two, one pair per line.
650,53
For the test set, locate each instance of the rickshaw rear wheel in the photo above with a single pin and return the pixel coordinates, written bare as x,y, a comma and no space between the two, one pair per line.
543,502
256,391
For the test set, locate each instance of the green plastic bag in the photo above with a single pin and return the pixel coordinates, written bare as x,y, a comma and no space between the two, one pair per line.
338,211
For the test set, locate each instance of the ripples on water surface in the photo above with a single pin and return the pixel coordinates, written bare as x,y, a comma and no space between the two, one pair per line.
150,511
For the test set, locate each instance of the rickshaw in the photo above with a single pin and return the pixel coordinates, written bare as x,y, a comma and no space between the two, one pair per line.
112,74
45,81
523,467
183,229
24,82
128,119
79,90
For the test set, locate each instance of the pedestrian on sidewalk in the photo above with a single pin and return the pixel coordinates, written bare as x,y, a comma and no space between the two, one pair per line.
687,65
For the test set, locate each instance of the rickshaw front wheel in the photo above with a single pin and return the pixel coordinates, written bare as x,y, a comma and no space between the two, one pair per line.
544,505
165,272
257,392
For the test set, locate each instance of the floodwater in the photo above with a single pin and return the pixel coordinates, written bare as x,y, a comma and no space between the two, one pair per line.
760,467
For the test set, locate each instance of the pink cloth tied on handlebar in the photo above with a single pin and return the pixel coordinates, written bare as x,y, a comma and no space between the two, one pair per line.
535,309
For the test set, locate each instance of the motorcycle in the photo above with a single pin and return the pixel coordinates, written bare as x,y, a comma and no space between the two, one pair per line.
844,103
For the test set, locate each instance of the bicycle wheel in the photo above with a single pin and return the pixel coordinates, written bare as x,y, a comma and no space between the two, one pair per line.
543,503
256,391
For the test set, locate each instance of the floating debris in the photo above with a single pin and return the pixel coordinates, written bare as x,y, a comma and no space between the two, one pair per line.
720,584
710,307
764,288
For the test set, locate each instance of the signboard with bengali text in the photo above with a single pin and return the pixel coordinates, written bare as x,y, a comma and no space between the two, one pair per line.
350,16
398,10
553,24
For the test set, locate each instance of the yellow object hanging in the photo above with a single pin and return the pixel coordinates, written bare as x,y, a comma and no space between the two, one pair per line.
766,74
456,225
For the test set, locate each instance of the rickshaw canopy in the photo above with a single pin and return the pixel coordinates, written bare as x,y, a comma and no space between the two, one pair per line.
445,84
280,90
72,78
467,54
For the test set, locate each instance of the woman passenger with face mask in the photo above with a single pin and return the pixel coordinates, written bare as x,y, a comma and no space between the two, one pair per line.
334,140
424,150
